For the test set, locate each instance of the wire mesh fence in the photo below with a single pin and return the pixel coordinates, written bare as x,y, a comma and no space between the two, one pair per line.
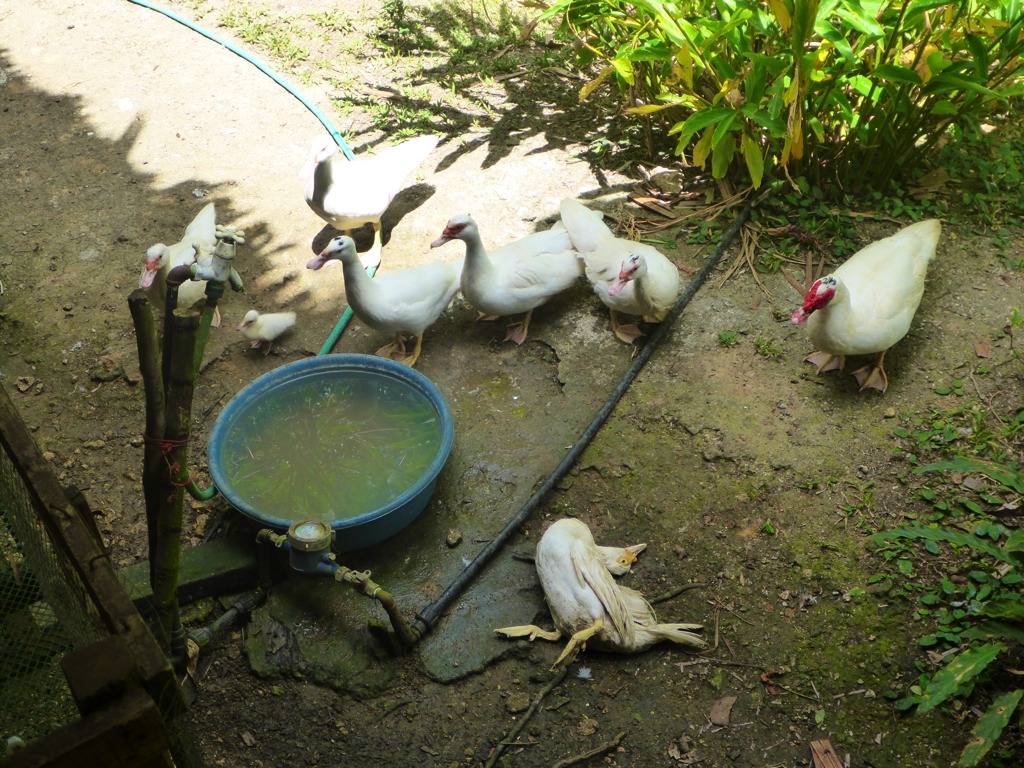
44,613
60,603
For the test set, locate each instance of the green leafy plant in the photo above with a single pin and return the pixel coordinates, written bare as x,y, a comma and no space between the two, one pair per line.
728,338
956,387
837,90
766,347
333,21
992,615
981,615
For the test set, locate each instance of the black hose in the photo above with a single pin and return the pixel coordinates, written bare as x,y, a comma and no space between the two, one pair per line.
426,618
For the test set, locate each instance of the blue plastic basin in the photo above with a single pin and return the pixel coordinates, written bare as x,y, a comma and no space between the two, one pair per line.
308,396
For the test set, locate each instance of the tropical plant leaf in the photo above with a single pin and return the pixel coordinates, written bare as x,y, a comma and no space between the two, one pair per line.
947,535
702,148
979,54
946,82
723,128
1008,476
782,14
721,156
896,73
990,727
987,630
754,159
951,679
624,69
700,120
1009,610
647,109
590,87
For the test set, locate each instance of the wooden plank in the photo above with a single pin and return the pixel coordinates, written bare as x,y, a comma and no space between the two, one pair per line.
99,673
824,755
127,733
221,566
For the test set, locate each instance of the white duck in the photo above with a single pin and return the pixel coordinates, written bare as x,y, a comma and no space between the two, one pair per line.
350,193
629,277
868,303
264,329
587,605
619,560
517,277
198,243
403,301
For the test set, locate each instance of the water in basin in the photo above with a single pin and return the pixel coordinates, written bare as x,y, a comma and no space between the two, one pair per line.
329,447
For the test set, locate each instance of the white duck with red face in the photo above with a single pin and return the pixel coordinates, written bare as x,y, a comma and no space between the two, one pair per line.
630,278
197,244
869,302
517,277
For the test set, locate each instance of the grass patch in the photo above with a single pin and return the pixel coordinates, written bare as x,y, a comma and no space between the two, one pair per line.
266,31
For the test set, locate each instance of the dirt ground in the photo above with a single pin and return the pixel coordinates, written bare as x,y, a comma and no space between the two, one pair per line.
749,478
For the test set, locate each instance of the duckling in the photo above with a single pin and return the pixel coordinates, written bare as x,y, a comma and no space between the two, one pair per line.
265,328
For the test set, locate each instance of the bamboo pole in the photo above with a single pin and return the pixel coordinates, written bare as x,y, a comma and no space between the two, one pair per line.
214,291
149,367
180,386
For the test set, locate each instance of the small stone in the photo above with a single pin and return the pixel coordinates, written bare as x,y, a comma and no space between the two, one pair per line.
516,703
890,413
25,383
94,444
106,369
454,537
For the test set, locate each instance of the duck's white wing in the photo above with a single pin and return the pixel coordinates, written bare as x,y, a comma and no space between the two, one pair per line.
592,573
202,230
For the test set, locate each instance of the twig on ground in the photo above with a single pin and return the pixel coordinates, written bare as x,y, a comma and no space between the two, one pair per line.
718,604
675,593
793,281
591,753
395,706
825,755
751,234
707,213
511,735
721,662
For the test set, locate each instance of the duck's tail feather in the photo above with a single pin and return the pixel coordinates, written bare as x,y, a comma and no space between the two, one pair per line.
678,633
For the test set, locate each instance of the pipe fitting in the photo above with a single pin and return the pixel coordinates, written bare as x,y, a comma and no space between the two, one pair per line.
268,535
219,268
